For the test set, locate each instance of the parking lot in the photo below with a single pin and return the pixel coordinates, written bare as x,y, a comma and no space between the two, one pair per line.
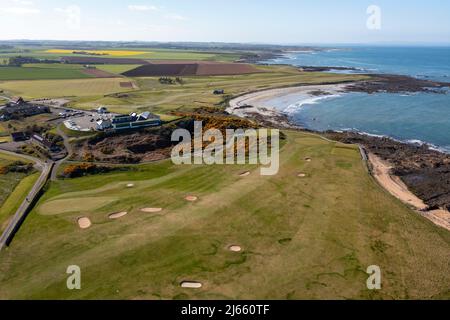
84,121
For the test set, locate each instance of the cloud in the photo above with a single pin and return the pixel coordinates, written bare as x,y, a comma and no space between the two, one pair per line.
175,16
23,2
20,8
142,8
20,11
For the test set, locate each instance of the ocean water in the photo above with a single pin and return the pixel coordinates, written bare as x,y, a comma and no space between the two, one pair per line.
418,117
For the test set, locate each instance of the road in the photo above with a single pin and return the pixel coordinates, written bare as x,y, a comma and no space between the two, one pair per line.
27,204
54,175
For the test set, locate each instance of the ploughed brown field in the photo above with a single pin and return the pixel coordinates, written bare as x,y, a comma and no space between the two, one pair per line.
181,68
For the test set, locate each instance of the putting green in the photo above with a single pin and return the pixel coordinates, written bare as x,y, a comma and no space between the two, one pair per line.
62,206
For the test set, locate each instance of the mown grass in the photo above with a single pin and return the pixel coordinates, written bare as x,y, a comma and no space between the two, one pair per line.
308,237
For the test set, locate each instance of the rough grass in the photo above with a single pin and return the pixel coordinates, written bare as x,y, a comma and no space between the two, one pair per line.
5,139
16,187
12,187
308,237
64,88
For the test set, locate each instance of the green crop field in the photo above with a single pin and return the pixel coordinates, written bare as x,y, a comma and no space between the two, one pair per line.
54,66
64,88
37,73
310,237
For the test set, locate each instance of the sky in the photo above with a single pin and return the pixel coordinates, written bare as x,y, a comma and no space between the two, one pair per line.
250,21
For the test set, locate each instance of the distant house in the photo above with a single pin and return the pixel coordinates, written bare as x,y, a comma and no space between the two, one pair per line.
16,101
19,136
44,143
219,91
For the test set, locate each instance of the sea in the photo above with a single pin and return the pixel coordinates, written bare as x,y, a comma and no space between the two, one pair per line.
410,117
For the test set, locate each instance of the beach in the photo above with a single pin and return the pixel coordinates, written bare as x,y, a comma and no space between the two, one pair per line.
258,104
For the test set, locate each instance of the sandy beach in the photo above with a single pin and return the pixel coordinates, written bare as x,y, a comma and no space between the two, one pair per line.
381,170
257,104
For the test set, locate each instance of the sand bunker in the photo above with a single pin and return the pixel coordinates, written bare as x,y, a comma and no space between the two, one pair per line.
151,210
301,175
191,198
130,185
245,174
117,215
308,159
235,248
191,285
84,223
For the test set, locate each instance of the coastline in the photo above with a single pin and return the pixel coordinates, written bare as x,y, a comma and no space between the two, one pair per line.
252,105
381,170
385,166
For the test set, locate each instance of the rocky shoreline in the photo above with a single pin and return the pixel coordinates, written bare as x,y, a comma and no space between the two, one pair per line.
390,83
426,172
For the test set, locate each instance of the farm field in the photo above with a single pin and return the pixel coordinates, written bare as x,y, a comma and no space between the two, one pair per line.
64,88
41,72
301,237
146,54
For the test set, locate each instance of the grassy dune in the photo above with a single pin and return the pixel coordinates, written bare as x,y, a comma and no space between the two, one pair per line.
309,237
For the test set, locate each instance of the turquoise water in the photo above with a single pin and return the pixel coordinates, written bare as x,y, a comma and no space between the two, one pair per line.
415,117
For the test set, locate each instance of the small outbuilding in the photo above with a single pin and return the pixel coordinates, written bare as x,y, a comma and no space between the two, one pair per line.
104,124
19,136
102,110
